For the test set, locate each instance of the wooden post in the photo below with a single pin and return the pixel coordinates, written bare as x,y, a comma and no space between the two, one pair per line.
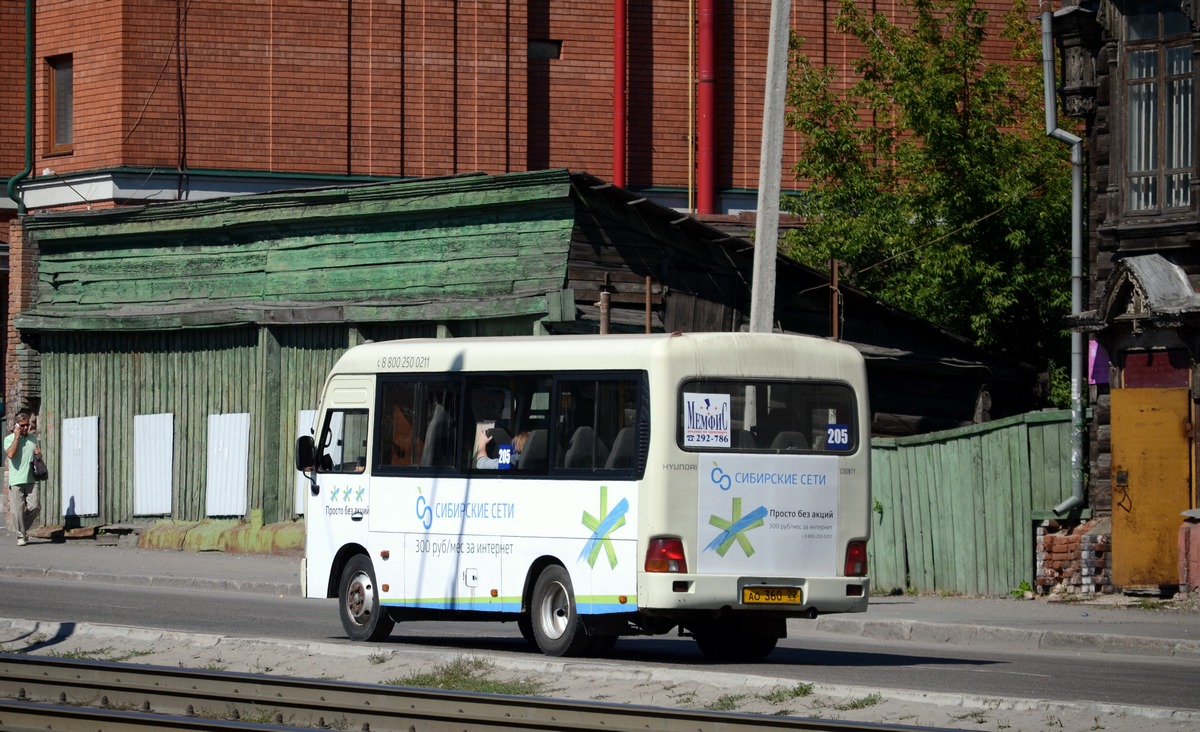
648,285
605,299
835,316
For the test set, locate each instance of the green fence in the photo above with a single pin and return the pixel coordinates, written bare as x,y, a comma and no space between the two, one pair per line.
955,510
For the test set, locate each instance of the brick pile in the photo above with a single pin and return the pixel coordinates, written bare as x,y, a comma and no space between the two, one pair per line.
1074,557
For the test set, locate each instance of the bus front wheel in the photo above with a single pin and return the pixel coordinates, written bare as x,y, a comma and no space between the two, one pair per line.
363,618
557,627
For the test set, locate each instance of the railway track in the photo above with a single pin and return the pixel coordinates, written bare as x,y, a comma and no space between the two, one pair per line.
42,693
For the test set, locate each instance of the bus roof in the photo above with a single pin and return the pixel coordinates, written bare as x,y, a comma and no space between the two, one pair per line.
732,354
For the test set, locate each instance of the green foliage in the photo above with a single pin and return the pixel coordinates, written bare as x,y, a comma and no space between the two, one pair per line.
931,178
1020,590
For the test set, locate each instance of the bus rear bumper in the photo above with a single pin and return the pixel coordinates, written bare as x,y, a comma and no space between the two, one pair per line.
727,593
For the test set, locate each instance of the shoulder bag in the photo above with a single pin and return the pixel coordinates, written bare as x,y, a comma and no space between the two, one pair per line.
40,472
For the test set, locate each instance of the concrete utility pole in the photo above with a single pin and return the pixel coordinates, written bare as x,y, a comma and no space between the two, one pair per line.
766,235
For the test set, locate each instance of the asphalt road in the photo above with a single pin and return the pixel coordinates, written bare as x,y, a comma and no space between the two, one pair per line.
821,658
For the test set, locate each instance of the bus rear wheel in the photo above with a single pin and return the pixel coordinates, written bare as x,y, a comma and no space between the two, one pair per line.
363,618
557,627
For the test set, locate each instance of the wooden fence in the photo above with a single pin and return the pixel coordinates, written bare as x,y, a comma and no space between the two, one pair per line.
955,511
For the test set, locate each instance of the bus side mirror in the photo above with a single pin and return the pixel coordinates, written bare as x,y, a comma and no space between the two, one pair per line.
306,453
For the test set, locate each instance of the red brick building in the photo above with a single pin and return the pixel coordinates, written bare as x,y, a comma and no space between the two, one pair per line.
235,95
136,101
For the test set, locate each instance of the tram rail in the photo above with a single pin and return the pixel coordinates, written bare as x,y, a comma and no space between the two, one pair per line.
98,696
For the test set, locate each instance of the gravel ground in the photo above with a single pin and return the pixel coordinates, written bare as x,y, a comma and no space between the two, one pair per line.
584,680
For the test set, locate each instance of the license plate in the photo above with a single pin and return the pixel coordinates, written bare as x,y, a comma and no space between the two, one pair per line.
771,595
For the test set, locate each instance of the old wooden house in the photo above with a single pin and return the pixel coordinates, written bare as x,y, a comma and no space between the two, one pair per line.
174,349
1129,72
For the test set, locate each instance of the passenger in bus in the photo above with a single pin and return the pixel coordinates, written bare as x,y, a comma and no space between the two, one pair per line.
486,435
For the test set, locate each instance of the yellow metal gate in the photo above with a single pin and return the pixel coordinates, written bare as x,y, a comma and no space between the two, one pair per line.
1151,482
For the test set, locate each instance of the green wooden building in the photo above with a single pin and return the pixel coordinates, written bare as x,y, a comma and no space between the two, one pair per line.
151,325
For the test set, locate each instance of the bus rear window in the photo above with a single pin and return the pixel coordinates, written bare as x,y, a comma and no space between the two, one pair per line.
767,416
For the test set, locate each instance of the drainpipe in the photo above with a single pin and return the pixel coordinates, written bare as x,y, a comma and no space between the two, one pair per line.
706,98
619,61
12,183
1077,427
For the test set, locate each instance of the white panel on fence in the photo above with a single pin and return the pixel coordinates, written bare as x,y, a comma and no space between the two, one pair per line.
81,466
153,463
304,426
228,464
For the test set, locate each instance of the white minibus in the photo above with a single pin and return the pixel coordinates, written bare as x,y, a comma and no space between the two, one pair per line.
592,487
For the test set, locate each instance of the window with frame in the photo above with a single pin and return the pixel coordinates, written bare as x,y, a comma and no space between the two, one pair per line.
61,104
343,444
598,424
767,416
417,424
1159,89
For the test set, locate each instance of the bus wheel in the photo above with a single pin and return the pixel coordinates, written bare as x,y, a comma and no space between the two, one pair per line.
362,617
557,627
722,647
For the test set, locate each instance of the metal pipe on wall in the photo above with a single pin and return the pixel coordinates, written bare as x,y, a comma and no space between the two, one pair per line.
1078,497
29,49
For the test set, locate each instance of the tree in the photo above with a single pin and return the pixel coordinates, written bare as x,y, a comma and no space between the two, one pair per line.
932,180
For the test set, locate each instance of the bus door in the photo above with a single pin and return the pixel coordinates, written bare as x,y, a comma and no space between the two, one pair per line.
339,498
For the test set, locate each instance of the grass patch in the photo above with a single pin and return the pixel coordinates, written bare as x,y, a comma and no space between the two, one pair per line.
102,654
781,694
378,658
726,703
1147,603
869,700
978,717
470,674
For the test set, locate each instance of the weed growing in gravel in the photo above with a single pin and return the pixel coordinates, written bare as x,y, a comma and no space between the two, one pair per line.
780,694
726,703
470,674
978,716
102,654
869,700
378,658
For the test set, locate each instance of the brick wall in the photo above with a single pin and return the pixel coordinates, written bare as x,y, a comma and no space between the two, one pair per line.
22,375
418,88
1074,558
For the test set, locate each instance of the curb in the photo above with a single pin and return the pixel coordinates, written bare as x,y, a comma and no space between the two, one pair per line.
262,587
986,635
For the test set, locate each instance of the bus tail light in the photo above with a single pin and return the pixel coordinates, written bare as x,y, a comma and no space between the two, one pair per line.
665,555
856,559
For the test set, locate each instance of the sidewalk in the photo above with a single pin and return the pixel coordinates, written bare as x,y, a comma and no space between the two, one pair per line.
1107,624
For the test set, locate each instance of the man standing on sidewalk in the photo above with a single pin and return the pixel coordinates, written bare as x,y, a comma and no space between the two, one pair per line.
20,447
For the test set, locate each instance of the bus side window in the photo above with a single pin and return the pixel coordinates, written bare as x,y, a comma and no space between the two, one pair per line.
344,442
598,420
398,441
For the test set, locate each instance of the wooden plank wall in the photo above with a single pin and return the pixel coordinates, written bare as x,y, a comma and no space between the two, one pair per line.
954,510
272,373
